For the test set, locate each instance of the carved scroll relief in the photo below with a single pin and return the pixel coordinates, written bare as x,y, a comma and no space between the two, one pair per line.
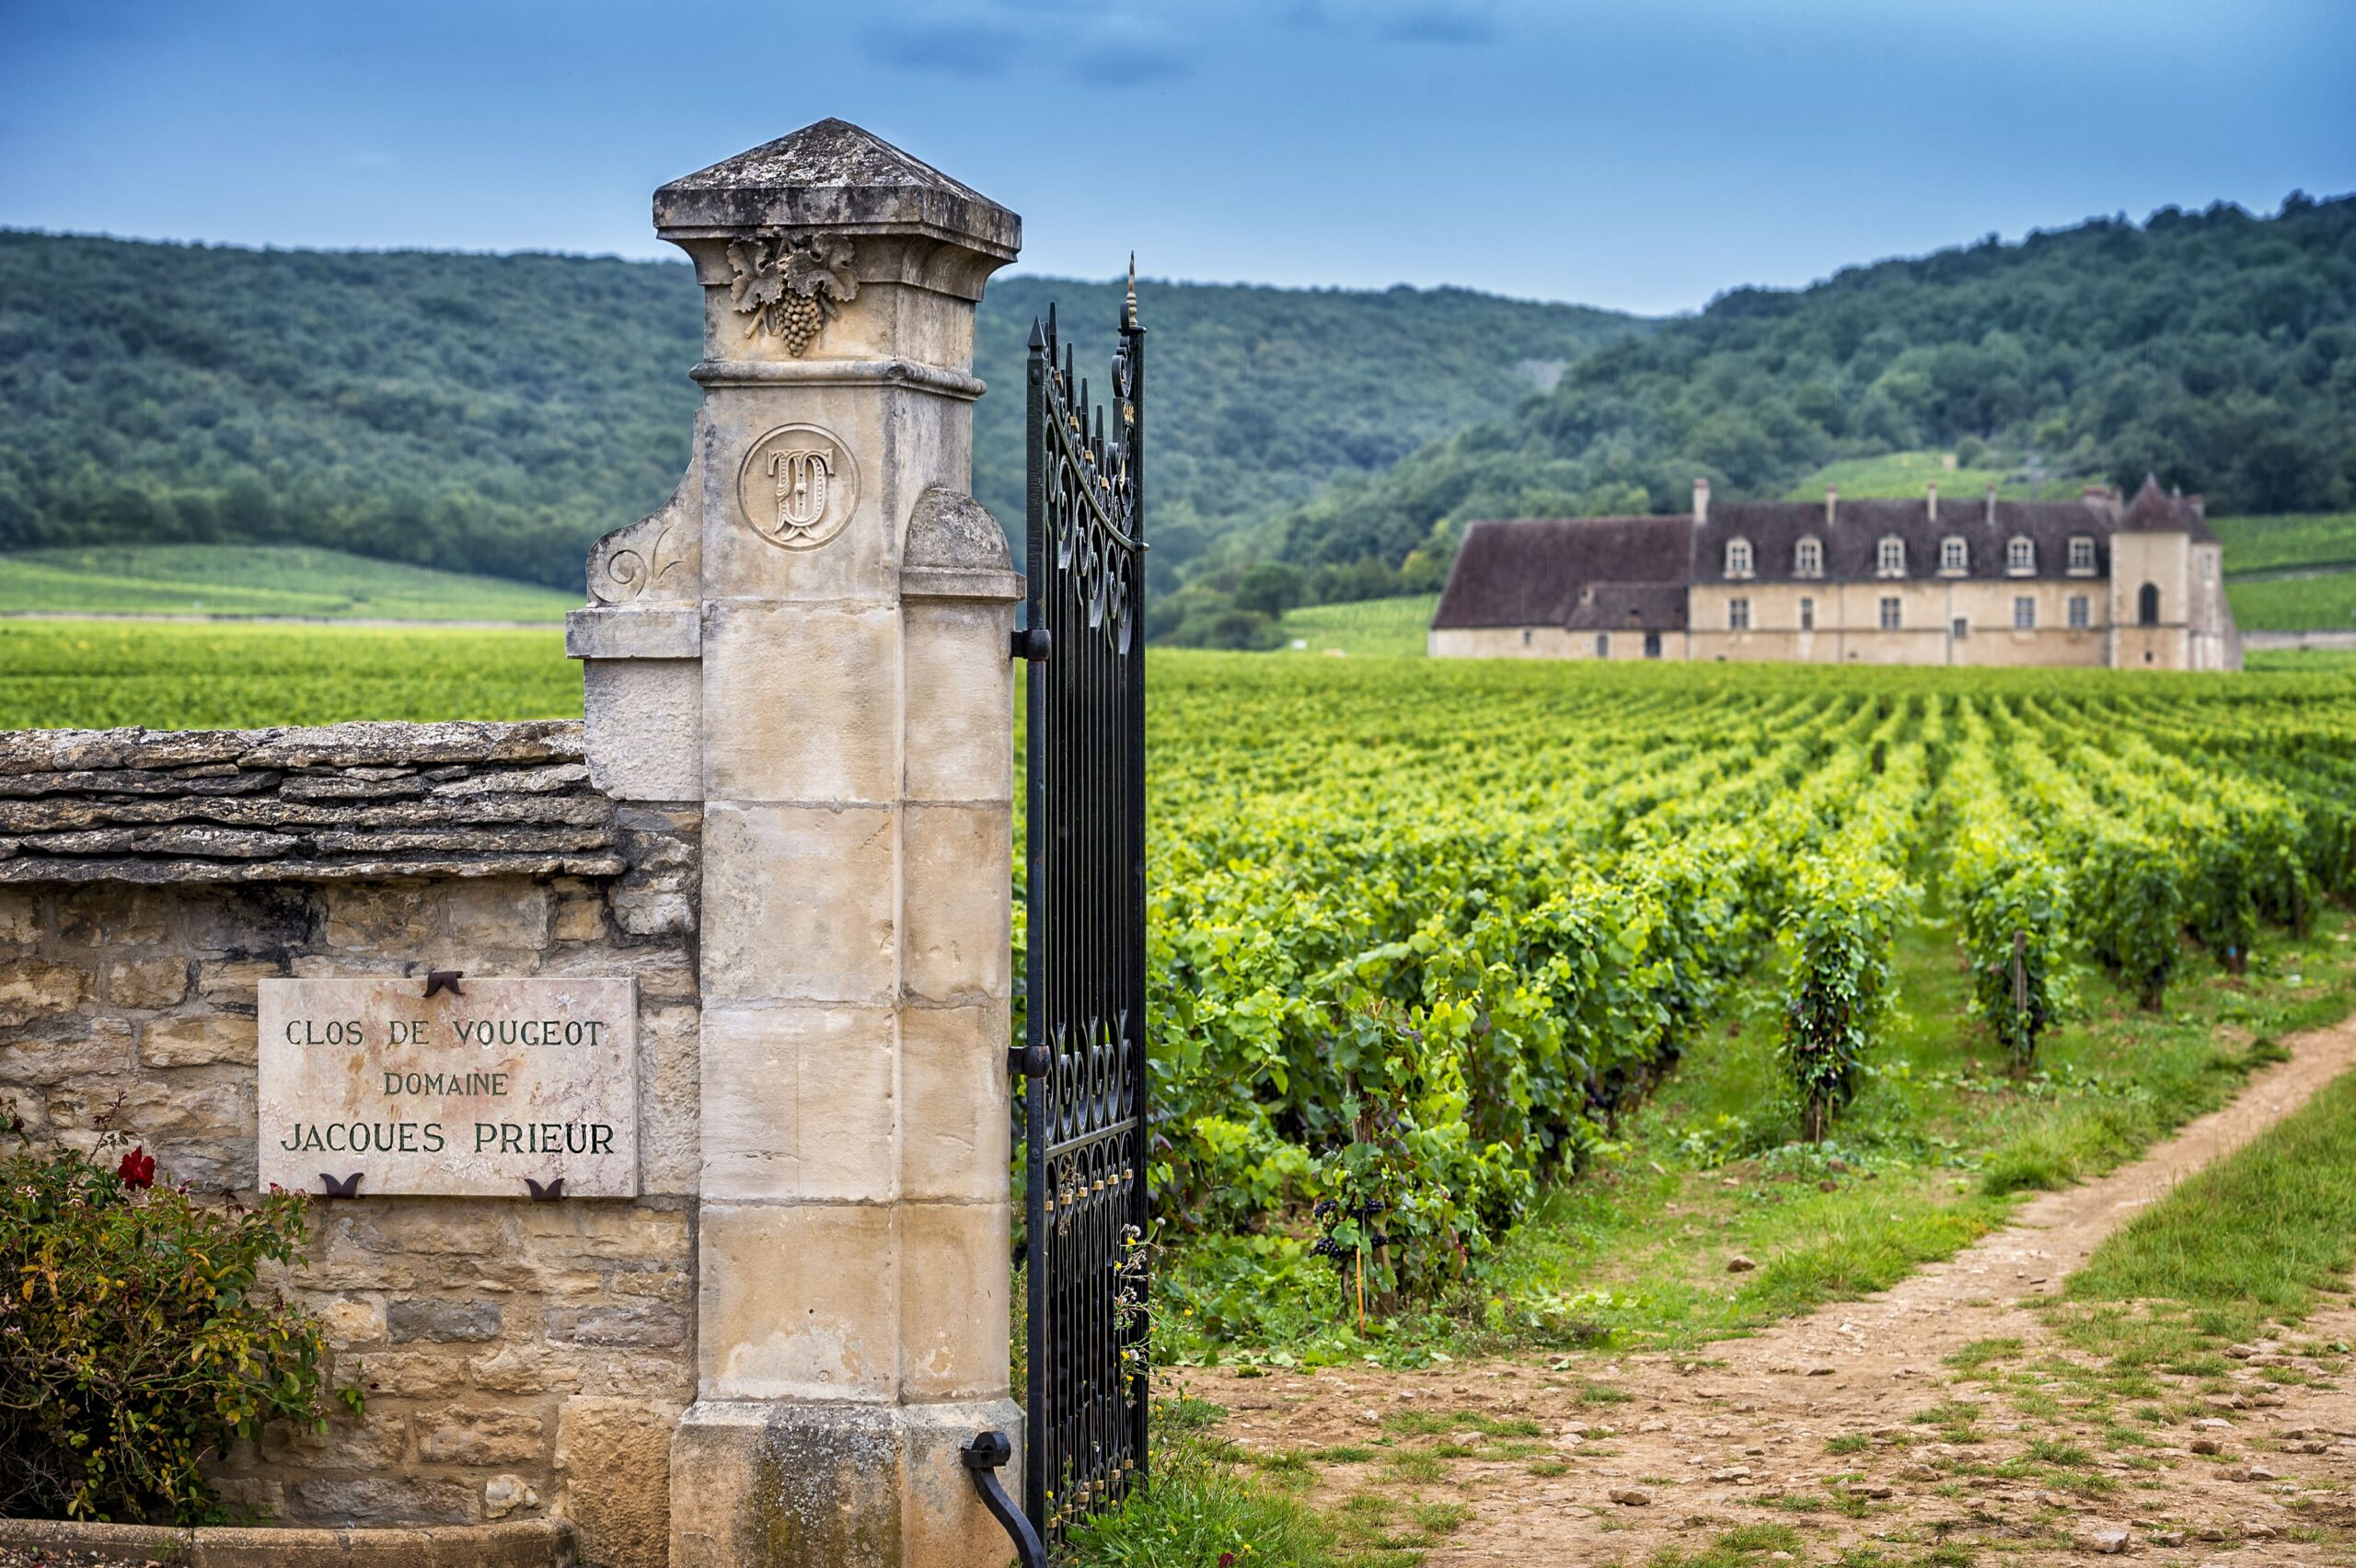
797,487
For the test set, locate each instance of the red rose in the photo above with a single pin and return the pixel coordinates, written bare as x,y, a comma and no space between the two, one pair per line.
138,1167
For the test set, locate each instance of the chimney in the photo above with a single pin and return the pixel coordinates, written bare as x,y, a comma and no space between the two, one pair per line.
1932,493
1700,501
1991,504
1831,500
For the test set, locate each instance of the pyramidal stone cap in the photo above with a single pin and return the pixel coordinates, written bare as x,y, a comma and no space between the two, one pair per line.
834,175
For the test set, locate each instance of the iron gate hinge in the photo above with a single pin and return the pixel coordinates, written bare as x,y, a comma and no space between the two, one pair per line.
1033,643
1029,1061
983,1457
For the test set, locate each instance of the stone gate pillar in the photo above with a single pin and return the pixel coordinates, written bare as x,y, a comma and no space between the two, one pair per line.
853,614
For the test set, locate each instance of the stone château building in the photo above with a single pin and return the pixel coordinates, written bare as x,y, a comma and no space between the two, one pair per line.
2095,582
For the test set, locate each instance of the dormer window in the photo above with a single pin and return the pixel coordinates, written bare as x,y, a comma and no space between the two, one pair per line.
1889,556
1738,558
1955,557
1807,557
2082,555
2020,555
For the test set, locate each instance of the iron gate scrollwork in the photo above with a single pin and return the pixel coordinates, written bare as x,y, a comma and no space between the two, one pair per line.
1083,1054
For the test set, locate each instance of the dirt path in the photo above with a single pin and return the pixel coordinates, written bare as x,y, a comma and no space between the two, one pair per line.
1741,1438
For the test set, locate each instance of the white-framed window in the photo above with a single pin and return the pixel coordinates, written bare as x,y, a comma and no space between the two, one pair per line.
1737,615
1807,557
2081,611
2020,555
1959,629
1955,556
1738,558
2082,555
1808,614
1889,556
1889,612
2024,612
1603,645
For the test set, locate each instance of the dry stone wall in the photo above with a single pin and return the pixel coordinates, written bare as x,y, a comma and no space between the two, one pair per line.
520,1359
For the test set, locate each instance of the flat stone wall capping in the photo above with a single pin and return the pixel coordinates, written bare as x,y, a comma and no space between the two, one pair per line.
536,1543
352,801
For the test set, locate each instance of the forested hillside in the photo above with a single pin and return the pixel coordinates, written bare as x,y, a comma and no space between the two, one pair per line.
2215,349
495,414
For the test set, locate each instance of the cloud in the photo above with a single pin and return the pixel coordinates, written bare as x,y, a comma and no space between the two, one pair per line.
1121,56
954,46
1439,23
1399,21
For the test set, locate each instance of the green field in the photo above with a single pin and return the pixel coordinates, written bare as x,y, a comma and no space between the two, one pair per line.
260,580
169,675
1899,475
2262,543
1389,627
2326,601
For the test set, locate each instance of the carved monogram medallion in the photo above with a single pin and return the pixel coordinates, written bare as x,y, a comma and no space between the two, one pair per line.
798,486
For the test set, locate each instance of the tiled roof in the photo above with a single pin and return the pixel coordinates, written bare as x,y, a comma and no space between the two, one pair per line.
1853,539
2153,512
1531,572
1630,607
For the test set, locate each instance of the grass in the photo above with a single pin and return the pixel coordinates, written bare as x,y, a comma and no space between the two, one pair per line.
2326,601
1205,1504
2252,1238
172,675
1392,628
2259,544
1902,475
2302,660
261,579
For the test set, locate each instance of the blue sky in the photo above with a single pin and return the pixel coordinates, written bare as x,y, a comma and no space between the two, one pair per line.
1643,155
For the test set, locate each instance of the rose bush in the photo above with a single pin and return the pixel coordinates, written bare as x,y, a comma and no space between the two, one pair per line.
137,1336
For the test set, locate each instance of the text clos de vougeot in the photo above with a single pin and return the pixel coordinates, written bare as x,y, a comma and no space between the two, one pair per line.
471,1092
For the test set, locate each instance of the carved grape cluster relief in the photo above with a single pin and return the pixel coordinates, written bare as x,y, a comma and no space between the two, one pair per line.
791,285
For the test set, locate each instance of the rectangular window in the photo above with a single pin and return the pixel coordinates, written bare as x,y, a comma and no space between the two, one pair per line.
2024,613
2082,555
1603,645
1652,645
1960,628
2081,612
1808,614
1890,612
1737,615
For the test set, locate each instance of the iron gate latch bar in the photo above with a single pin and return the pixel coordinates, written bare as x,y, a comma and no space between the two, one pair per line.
983,1457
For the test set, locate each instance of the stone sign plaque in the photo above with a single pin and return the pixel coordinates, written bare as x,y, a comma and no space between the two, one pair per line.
475,1091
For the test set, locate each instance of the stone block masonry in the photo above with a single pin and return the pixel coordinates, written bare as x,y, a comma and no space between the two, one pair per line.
787,821
521,1360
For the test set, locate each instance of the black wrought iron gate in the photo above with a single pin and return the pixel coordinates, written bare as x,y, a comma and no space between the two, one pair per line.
1083,1057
